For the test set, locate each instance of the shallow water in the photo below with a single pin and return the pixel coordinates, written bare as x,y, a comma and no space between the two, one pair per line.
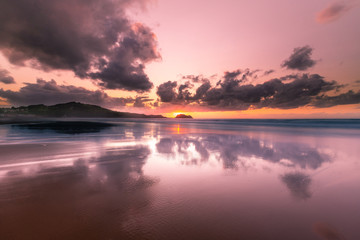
181,179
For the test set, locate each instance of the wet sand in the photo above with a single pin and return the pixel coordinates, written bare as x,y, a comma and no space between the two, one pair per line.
179,180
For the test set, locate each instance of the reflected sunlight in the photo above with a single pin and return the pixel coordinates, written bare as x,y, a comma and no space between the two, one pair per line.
174,114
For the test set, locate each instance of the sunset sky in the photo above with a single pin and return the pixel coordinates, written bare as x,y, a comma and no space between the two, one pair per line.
211,59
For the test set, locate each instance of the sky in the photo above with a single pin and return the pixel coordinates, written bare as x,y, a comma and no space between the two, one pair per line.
210,59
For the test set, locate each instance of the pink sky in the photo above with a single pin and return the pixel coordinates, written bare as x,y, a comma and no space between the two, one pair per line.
209,38
212,37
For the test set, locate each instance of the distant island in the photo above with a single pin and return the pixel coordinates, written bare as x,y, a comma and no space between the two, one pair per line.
183,116
70,110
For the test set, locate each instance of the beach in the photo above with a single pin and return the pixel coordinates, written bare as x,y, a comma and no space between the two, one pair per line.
180,179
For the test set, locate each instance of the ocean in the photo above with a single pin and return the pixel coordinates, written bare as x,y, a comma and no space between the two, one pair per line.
180,179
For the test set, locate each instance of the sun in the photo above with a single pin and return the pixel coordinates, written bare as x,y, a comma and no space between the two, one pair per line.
176,113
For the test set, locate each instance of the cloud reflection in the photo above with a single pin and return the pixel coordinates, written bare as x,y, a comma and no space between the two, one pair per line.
235,150
298,184
90,199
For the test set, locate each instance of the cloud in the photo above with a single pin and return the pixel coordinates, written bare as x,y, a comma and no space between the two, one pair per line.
3,102
299,92
94,39
332,12
300,59
166,91
140,102
183,90
349,97
235,89
268,72
201,91
195,78
233,93
49,92
170,93
5,77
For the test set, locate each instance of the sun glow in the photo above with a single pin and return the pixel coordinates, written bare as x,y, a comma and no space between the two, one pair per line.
174,114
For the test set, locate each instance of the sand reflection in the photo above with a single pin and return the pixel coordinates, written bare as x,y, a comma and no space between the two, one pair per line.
145,180
89,199
233,149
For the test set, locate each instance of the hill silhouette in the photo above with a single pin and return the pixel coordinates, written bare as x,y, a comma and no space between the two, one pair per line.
183,116
71,109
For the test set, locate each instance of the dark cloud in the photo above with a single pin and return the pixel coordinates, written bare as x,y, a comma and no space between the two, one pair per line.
333,12
240,75
233,93
5,77
201,90
49,92
268,72
3,103
298,184
183,92
94,39
166,91
170,93
140,102
299,92
120,72
235,89
346,98
300,59
195,78
232,75
289,77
